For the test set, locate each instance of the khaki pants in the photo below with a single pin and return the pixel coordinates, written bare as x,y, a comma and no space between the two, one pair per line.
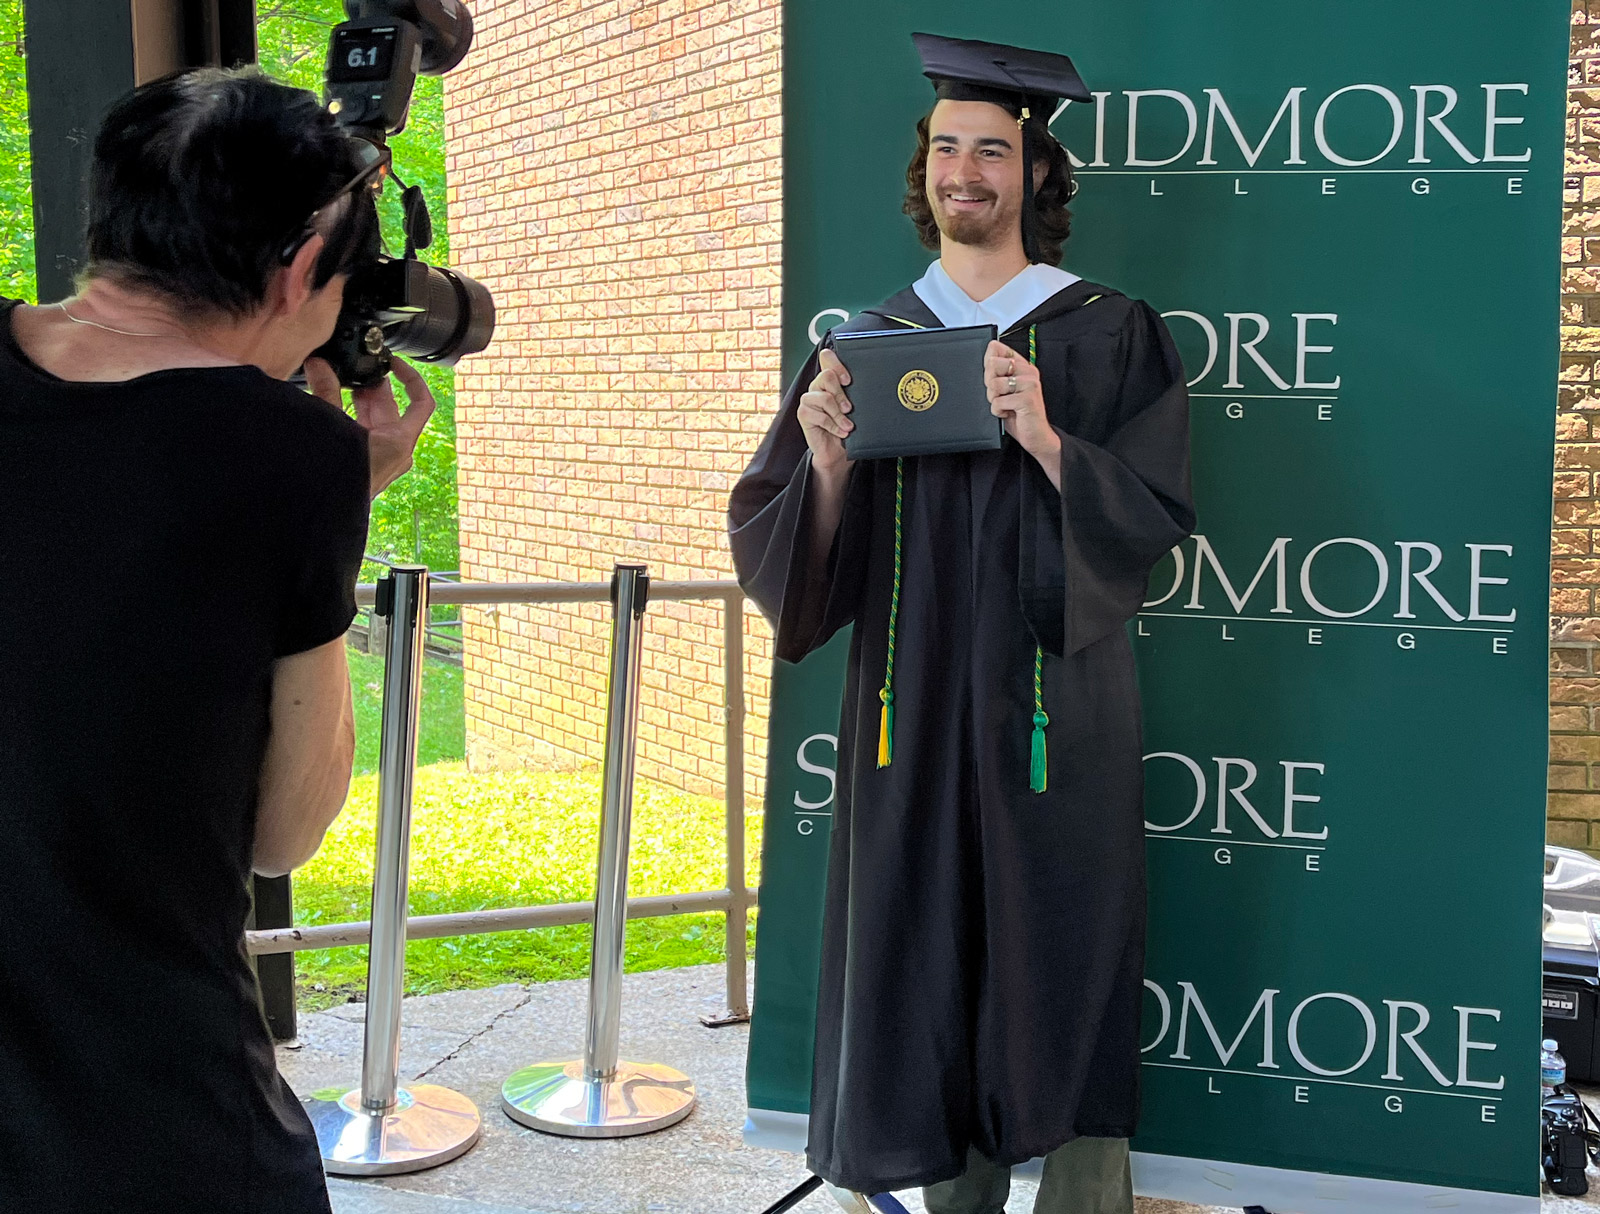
1086,1176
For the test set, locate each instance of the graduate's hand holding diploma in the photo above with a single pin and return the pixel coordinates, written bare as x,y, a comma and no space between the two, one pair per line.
1017,399
822,417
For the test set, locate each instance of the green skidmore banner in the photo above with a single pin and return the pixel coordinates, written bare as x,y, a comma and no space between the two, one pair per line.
1348,215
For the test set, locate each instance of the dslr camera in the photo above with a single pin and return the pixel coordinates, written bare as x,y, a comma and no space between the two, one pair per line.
1567,1141
398,305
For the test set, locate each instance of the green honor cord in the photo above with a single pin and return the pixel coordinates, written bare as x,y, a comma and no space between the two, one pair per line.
1039,766
1038,771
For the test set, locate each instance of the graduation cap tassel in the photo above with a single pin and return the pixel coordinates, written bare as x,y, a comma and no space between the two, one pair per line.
1030,220
886,716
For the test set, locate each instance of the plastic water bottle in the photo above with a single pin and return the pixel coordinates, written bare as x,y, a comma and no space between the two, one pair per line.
1552,1068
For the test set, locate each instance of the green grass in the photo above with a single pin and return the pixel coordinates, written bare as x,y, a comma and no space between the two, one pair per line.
443,725
497,839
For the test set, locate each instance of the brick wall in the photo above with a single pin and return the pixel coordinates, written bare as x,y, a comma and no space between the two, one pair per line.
615,180
1574,611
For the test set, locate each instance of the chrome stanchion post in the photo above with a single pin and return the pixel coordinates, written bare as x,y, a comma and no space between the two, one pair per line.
598,1096
381,1128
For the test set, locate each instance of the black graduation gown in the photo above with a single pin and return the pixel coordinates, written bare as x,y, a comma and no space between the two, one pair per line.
983,946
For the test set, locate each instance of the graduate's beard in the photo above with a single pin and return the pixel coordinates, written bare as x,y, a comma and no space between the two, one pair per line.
990,230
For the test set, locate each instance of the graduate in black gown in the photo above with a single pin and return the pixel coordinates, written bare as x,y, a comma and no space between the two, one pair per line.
984,939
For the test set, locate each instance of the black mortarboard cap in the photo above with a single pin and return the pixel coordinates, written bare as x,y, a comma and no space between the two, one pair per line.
1012,76
1027,84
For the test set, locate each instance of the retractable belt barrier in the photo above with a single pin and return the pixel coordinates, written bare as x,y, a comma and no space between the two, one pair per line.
598,1096
380,1128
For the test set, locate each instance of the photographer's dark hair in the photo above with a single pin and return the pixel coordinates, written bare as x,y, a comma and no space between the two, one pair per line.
200,181
1050,200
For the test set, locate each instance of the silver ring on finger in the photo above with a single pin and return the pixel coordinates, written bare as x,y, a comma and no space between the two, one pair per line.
1011,384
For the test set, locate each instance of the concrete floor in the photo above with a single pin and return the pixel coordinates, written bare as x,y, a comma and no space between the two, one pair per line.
471,1040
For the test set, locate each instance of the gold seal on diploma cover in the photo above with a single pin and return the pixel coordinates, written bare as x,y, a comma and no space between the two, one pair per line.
918,390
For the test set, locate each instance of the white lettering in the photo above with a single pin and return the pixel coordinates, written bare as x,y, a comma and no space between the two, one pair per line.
1321,130
1166,1015
1224,792
1291,798
1263,1006
1467,1045
1212,343
1406,640
1408,575
1199,789
1421,186
815,333
1304,348
1263,326
1134,96
1203,552
1378,558
1474,611
1410,1038
1366,1019
1425,120
818,769
1493,120
1216,105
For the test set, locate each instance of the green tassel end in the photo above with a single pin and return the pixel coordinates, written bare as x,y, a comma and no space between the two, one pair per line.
1039,770
886,729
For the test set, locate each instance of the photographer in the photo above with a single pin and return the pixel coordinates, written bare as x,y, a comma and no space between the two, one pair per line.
181,531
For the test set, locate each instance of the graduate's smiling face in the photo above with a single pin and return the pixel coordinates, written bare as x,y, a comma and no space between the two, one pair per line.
974,176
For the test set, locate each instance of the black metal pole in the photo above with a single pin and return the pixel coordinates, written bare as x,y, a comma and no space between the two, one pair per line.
82,56
274,907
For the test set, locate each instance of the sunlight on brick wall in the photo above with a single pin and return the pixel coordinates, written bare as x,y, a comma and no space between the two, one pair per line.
615,180
1574,613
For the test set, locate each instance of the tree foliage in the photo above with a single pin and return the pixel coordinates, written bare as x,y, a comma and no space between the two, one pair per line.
16,183
416,518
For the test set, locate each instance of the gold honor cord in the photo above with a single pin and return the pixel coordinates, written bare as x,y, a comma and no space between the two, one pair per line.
886,716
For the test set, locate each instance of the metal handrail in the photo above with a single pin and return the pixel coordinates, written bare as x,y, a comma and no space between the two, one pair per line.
735,899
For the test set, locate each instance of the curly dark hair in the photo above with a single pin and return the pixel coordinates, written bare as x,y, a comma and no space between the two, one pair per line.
1049,201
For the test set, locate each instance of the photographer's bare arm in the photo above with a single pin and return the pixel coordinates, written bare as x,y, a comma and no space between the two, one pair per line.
305,774
821,412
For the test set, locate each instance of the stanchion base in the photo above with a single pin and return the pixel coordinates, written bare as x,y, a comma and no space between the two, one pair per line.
427,1127
638,1098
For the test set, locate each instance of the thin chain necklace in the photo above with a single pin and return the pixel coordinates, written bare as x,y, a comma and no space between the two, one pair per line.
78,320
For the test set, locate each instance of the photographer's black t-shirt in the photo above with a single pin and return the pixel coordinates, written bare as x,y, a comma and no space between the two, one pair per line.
162,542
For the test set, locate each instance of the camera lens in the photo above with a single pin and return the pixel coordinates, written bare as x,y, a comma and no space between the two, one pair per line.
457,318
